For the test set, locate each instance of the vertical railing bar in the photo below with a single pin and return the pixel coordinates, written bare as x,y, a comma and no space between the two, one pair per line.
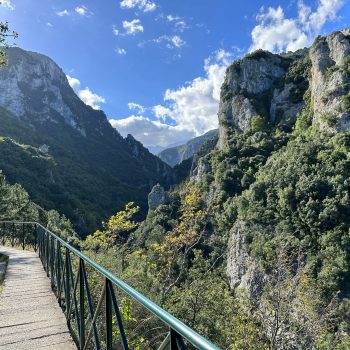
75,285
67,295
52,263
176,341
82,305
93,322
91,307
165,342
47,253
119,317
23,237
109,330
58,272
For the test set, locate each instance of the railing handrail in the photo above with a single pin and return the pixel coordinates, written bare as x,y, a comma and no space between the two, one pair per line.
189,334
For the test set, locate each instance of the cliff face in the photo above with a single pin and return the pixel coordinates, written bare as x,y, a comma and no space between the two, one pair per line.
94,171
330,81
261,85
272,86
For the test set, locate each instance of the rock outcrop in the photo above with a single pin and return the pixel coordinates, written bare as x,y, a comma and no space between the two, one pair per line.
243,272
330,81
157,197
272,86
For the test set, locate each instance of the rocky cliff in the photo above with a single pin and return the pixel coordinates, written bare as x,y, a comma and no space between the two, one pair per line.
269,88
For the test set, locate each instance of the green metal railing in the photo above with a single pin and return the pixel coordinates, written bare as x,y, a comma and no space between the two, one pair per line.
90,325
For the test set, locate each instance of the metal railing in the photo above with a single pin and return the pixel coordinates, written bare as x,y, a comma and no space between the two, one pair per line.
75,298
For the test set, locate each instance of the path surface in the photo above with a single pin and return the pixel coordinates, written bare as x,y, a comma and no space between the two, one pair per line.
30,317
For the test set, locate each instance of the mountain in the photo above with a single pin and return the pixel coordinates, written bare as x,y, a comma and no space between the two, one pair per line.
63,152
264,219
175,155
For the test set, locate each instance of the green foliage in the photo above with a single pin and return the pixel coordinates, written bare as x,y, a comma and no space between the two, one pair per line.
258,123
5,34
303,194
346,103
80,177
225,319
115,230
330,119
330,70
258,54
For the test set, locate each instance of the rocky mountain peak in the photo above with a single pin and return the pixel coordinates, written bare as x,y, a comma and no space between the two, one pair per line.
270,87
32,84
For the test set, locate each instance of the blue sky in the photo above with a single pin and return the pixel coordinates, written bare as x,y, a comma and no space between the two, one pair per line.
154,66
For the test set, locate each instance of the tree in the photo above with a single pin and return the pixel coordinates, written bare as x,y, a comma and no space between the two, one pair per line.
115,231
5,34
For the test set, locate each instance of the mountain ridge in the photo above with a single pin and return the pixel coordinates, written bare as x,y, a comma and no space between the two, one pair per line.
92,160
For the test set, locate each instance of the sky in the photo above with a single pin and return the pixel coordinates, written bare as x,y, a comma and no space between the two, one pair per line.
155,67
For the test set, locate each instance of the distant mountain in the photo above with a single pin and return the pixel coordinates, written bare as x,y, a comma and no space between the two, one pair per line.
63,152
175,155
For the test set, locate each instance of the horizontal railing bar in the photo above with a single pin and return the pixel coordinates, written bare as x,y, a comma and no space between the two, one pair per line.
193,337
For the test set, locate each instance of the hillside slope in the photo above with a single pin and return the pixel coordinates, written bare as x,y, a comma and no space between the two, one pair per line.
90,171
264,220
175,155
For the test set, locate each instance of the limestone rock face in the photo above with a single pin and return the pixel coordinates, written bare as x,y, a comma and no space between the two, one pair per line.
330,82
157,197
272,86
255,85
242,271
33,84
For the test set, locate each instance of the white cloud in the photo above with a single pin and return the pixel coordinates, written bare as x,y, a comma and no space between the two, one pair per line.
86,95
161,112
177,41
136,107
120,51
115,31
180,24
49,24
62,13
133,27
130,28
143,5
191,109
276,33
172,42
151,133
194,106
7,4
81,10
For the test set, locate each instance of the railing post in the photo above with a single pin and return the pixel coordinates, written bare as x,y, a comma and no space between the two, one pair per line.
23,237
35,237
109,330
3,233
82,305
13,235
67,287
58,267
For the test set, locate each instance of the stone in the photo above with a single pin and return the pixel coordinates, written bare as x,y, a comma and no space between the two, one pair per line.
243,272
158,196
